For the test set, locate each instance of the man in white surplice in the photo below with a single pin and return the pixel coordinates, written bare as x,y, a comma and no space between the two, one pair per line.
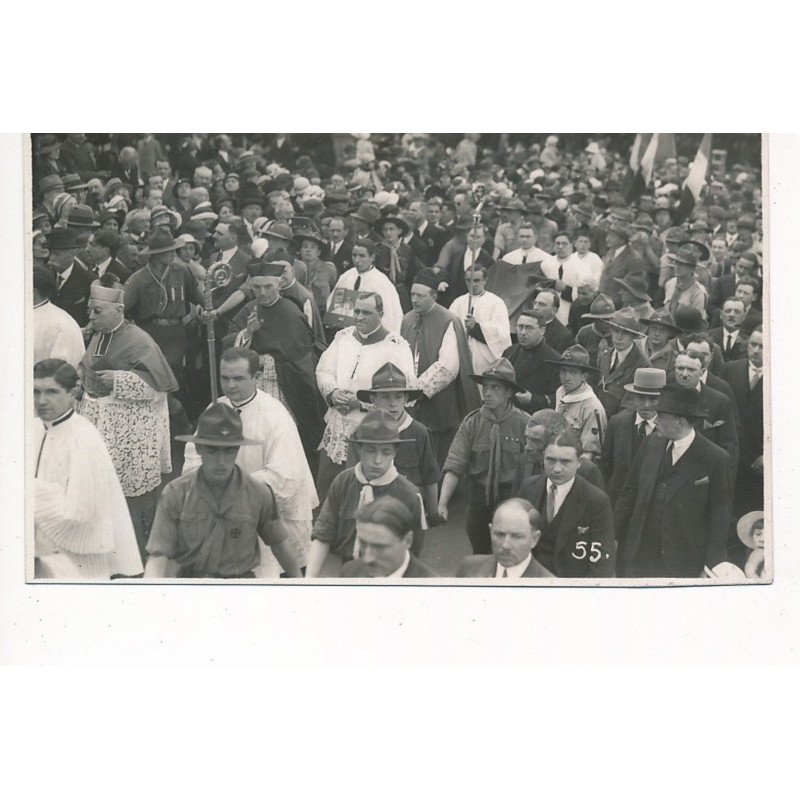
278,462
82,528
488,335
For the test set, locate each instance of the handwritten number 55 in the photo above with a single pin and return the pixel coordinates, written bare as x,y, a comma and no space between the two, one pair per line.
594,552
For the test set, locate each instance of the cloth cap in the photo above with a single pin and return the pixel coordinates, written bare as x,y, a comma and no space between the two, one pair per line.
51,183
81,216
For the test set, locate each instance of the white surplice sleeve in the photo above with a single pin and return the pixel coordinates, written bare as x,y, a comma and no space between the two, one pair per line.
443,371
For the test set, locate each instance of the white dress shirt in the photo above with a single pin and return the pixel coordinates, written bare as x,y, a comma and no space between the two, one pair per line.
227,255
102,267
651,426
561,494
680,446
63,277
515,571
533,254
729,339
617,357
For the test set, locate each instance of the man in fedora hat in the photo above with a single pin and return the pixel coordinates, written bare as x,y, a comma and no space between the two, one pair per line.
633,294
72,280
126,380
533,361
577,538
684,289
276,328
689,321
347,367
76,187
333,539
486,450
384,529
277,461
619,362
673,514
620,260
576,400
659,346
515,530
159,296
629,428
415,459
209,521
441,363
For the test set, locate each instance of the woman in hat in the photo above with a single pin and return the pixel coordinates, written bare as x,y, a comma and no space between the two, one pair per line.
576,400
750,530
333,539
62,205
187,253
322,275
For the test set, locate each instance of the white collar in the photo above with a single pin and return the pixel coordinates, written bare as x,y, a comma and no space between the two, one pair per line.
289,285
422,228
515,571
680,446
103,266
619,250
227,255
638,421
398,573
562,490
734,334
64,276
622,355
753,369
43,303
405,421
704,377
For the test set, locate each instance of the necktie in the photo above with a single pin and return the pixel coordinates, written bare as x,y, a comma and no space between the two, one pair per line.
524,258
728,343
755,378
669,455
505,572
358,283
560,272
642,430
61,281
613,361
551,502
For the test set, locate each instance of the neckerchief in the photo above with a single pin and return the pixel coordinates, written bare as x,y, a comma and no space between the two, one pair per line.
495,450
367,495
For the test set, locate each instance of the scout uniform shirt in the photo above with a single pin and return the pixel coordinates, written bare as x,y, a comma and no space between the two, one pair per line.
149,299
211,539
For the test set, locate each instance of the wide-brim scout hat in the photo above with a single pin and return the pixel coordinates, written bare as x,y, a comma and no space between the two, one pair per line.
626,319
389,378
661,316
689,319
377,427
647,381
160,241
311,236
464,222
367,212
700,248
602,307
575,356
745,525
636,284
685,257
513,204
502,370
680,401
401,224
219,426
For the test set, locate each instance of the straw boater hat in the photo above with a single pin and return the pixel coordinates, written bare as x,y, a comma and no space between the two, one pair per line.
575,356
502,370
647,381
377,427
745,525
389,378
219,426
626,319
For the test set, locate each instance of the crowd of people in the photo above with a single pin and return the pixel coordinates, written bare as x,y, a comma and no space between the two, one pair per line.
264,355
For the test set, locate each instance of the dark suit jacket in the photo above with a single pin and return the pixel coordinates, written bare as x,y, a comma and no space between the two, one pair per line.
619,449
73,296
696,514
750,404
486,567
343,259
721,425
421,250
612,384
116,267
453,274
434,236
739,349
625,263
587,470
585,516
558,336
356,568
535,374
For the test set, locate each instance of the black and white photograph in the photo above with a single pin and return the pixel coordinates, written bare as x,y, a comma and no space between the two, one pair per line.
439,358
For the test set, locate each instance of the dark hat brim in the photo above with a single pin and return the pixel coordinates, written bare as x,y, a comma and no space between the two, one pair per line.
633,389
210,442
660,322
635,292
401,223
397,441
627,330
598,316
480,379
364,394
148,252
562,363
310,237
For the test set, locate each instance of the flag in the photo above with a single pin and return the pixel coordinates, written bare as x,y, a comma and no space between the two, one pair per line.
649,160
641,165
695,181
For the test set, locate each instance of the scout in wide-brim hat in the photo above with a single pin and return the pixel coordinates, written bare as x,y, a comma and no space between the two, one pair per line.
377,427
626,319
680,401
389,378
602,307
647,381
367,212
502,370
219,426
401,224
662,317
701,250
636,284
745,525
310,236
160,241
576,356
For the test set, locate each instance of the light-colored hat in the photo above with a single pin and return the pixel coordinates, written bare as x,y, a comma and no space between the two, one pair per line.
647,381
745,525
99,292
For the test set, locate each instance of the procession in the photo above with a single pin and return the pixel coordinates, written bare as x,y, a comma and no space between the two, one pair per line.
398,356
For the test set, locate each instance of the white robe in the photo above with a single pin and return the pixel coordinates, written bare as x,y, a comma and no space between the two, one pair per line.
56,335
278,462
82,527
374,280
491,313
